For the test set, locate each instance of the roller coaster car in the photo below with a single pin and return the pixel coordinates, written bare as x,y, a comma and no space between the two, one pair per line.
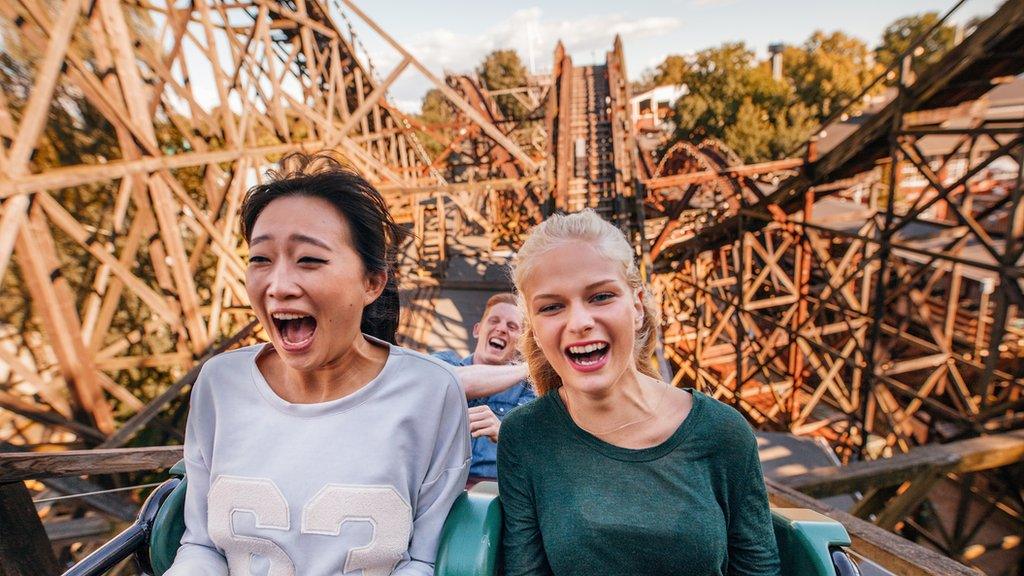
810,544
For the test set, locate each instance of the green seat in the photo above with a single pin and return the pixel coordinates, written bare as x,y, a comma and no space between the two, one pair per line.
807,541
168,525
471,537
469,540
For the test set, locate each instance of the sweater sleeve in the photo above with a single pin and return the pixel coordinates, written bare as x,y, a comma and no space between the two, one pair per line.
445,481
521,542
752,546
198,556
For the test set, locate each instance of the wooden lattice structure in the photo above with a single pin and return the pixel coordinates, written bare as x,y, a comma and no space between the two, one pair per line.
125,266
868,293
899,311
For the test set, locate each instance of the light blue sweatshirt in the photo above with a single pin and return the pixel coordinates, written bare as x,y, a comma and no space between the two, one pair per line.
358,485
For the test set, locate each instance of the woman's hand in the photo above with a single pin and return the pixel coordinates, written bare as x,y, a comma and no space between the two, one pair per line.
483,422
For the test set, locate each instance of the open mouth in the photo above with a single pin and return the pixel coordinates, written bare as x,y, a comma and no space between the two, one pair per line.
497,344
588,356
296,329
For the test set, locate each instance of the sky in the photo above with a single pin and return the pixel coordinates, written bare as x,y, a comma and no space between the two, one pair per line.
455,35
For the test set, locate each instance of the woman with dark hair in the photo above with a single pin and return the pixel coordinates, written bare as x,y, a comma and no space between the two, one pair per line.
614,470
327,449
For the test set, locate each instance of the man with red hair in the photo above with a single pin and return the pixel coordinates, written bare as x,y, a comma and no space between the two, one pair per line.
494,382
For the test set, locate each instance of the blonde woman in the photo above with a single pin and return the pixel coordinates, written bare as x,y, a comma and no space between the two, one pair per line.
612,470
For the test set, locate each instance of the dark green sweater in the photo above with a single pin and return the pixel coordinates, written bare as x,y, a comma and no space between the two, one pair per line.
694,505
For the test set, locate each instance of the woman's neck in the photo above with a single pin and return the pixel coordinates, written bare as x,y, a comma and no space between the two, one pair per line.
347,373
633,396
636,416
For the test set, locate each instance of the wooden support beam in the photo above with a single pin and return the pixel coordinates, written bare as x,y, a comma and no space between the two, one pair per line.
42,415
906,501
36,111
15,212
372,99
66,222
32,123
24,548
37,465
973,455
166,210
49,391
113,504
454,188
37,257
680,180
67,177
297,18
228,123
68,532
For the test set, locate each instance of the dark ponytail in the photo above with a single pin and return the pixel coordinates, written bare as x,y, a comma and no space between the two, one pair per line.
380,317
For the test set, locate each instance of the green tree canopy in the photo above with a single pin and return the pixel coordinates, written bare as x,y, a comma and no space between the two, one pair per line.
500,70
671,71
733,97
437,110
828,71
898,36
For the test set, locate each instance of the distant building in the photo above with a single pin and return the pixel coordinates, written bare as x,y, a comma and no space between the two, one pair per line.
652,108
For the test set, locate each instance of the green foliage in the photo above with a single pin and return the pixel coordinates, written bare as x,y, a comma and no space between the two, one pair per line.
672,71
751,131
828,71
791,128
897,37
500,70
435,110
733,97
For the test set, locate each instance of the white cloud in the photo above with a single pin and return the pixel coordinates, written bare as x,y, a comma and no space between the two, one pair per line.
444,50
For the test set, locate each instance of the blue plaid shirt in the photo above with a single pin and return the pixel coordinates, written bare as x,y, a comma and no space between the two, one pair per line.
485,452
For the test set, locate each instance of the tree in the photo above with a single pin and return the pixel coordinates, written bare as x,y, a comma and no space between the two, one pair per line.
900,33
828,70
792,126
671,71
436,110
733,97
501,70
750,134
644,83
